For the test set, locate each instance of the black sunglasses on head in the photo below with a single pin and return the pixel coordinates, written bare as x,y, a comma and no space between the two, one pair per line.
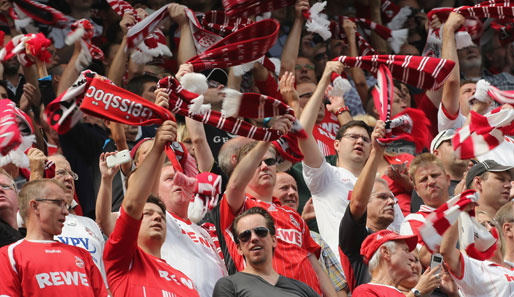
247,234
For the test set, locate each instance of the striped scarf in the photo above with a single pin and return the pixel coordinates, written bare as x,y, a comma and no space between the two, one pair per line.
248,8
26,11
15,134
83,30
483,134
36,44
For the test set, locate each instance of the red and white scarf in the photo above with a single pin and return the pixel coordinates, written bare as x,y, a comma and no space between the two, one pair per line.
393,16
16,134
421,72
395,38
248,8
483,134
190,104
476,240
485,91
411,124
245,45
83,30
505,32
145,38
26,11
36,44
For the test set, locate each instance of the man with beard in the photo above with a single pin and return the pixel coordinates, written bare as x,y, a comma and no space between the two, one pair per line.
12,77
254,234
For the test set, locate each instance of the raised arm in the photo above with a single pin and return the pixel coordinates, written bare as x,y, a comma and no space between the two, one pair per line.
449,251
288,92
292,45
186,49
313,157
141,182
70,73
103,211
245,169
357,73
450,99
364,185
375,16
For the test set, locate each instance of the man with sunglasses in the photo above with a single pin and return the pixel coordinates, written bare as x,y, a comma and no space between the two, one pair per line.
39,265
254,234
251,184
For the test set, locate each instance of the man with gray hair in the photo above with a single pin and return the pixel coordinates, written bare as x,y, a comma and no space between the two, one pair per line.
389,258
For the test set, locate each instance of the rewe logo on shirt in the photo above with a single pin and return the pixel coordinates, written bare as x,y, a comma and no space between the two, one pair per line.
60,278
290,235
198,239
171,277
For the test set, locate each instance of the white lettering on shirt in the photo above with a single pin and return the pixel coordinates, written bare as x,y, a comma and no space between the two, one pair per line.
59,278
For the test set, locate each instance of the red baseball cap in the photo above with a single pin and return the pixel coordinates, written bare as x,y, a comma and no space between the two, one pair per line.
374,241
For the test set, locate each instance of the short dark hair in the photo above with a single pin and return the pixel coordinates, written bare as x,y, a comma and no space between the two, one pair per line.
351,124
156,200
136,84
270,223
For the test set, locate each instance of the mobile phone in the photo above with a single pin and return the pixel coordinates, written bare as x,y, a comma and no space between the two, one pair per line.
118,159
437,260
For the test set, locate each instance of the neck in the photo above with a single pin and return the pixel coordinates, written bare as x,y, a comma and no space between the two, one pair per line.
509,250
472,72
178,210
490,210
264,270
382,276
151,248
376,226
10,218
265,194
34,232
354,168
12,78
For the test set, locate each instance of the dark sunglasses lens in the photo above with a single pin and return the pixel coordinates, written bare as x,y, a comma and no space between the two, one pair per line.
270,161
261,231
244,236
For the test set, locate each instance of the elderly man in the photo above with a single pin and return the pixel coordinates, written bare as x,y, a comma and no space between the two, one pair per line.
287,192
38,265
492,182
8,207
254,233
389,258
251,184
133,252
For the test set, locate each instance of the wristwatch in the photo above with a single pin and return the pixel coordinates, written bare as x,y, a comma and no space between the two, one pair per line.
416,292
341,110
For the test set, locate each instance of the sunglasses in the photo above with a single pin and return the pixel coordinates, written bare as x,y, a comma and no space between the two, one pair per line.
269,161
247,234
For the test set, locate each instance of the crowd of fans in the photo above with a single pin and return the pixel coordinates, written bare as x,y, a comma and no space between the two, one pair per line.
136,197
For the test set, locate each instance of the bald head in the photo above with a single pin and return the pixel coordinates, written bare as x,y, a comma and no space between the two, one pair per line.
227,156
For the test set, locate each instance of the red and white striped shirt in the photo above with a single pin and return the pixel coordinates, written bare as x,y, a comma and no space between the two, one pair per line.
413,221
294,243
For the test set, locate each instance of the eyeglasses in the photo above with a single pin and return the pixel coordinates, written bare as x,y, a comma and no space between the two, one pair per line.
61,203
64,172
269,161
247,234
306,67
7,187
356,137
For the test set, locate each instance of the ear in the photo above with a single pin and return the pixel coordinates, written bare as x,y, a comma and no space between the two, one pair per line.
239,250
508,230
436,153
274,241
337,142
478,183
33,205
385,253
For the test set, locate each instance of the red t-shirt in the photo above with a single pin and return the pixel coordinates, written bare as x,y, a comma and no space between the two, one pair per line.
294,243
132,272
378,290
325,133
48,268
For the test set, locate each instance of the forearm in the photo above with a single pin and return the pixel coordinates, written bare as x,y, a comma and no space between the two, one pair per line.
69,75
378,42
364,186
186,48
118,135
41,68
450,96
357,73
327,288
104,206
119,63
310,111
449,251
291,46
203,152
242,175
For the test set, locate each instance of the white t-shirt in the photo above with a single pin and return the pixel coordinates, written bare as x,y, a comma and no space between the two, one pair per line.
484,278
330,187
444,121
83,232
190,249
